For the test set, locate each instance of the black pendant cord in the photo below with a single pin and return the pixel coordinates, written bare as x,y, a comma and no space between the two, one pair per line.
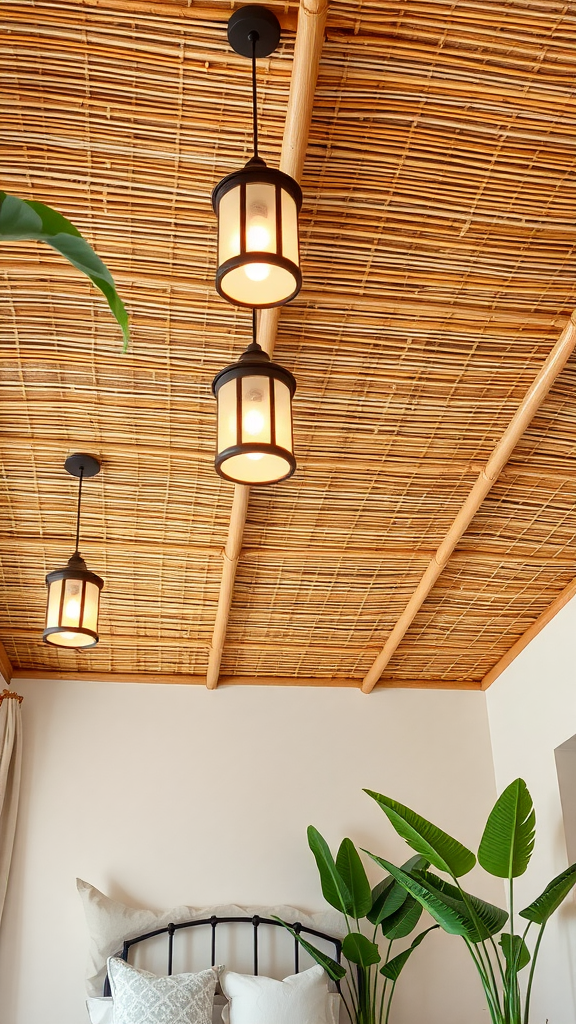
254,328
253,37
81,474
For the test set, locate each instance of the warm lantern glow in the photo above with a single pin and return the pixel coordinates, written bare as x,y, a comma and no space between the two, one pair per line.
255,444
73,604
74,592
258,249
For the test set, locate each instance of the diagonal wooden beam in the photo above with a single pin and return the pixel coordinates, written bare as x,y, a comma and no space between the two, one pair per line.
547,615
6,670
486,478
307,50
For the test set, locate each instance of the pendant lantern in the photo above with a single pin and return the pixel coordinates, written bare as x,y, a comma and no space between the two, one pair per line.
255,443
74,592
257,207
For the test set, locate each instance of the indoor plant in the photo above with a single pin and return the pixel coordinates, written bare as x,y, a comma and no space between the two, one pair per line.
504,851
387,907
23,220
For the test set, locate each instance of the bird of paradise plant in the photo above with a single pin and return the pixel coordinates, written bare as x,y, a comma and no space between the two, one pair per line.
24,219
387,908
505,851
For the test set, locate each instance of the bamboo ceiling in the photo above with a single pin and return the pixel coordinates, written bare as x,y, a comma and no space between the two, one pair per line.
437,238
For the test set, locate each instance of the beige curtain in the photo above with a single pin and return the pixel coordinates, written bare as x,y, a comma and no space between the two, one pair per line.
10,766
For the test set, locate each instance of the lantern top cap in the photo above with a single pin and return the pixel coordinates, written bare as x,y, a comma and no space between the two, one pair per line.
81,464
254,358
253,26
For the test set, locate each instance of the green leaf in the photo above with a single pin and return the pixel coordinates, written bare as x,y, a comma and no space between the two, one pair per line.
404,920
484,919
334,888
516,953
359,950
22,220
333,969
444,852
380,895
544,906
351,871
393,968
448,917
508,839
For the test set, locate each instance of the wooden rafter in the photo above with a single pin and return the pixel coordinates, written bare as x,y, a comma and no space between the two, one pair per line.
307,50
487,477
567,594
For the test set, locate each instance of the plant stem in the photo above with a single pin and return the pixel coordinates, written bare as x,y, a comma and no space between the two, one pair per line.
531,975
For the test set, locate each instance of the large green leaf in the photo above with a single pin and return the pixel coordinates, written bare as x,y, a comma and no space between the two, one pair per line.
444,852
351,871
334,888
544,906
484,919
508,839
22,220
448,917
516,952
333,969
360,950
380,895
404,920
394,967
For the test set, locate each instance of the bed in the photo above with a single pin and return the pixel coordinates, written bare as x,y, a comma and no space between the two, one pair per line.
228,964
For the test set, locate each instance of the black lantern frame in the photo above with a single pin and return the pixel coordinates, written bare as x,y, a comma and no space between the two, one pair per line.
269,458
257,207
73,601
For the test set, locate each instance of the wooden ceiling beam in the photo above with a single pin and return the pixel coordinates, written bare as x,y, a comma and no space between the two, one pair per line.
195,680
567,594
6,670
526,411
307,50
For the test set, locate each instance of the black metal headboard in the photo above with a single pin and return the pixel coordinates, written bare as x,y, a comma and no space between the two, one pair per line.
213,922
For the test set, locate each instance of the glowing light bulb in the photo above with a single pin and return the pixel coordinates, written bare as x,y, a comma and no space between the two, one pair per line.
255,456
257,240
72,609
68,636
253,422
257,271
258,236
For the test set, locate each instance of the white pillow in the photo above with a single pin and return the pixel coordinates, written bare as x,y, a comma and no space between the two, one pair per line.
110,922
100,1009
300,999
144,998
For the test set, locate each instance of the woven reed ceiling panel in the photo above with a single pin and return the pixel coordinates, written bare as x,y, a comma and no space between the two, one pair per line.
438,260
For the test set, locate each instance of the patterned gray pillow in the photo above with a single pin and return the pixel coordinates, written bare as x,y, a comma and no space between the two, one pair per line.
144,998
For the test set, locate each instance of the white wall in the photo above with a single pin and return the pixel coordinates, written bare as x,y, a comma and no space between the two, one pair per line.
532,710
162,795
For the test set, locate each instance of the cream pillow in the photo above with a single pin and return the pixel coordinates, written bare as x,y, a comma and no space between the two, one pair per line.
144,998
300,999
110,922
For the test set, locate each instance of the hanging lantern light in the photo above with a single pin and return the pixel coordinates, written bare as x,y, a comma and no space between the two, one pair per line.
255,443
74,592
257,207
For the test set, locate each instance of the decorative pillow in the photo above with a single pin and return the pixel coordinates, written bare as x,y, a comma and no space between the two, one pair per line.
144,998
300,999
100,1009
110,922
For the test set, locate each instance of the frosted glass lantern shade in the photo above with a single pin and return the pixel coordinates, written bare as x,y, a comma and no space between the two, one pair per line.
258,248
72,606
255,442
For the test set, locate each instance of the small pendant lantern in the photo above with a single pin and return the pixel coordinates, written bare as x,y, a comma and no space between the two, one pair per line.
74,592
257,207
255,443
